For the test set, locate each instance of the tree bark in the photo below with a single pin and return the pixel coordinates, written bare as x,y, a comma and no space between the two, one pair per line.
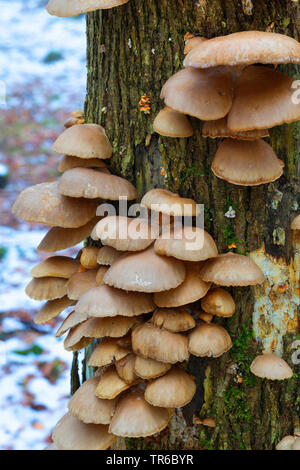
132,51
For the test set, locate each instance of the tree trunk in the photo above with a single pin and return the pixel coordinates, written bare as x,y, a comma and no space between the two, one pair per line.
132,51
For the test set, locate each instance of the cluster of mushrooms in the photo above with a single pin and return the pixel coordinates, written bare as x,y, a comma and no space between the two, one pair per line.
65,8
238,100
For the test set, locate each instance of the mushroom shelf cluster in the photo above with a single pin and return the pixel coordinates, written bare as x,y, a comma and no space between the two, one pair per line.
225,85
65,8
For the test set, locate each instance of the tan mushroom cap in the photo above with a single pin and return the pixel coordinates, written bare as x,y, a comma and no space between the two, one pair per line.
106,352
84,141
145,271
93,184
209,340
72,320
245,48
68,161
134,417
171,123
296,444
126,369
206,317
173,320
263,99
72,434
111,385
64,8
105,301
124,233
286,443
58,238
218,302
295,225
51,310
56,266
100,275
192,289
246,163
85,406
219,129
166,202
271,367
187,244
115,327
75,340
108,255
173,390
43,204
160,345
149,368
231,269
88,258
193,42
204,94
80,283
46,288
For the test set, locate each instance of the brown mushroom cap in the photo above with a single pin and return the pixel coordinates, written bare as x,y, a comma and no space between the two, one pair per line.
80,283
105,301
134,417
93,184
46,288
171,123
72,320
149,368
75,340
56,266
231,269
84,141
160,345
67,162
106,352
263,99
108,255
295,225
193,42
245,48
85,406
67,8
88,258
286,443
126,369
192,289
188,244
72,434
43,204
173,320
51,310
124,233
58,238
115,327
271,367
111,385
166,202
145,271
209,340
218,302
206,317
100,275
204,94
219,129
174,390
246,163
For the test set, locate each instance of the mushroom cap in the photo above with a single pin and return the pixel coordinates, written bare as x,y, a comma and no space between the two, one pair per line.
188,244
173,320
55,266
171,123
46,288
206,317
271,367
111,385
51,310
263,99
65,8
88,258
296,444
72,320
246,163
80,283
115,327
106,352
231,269
43,204
173,390
93,184
210,340
193,42
149,368
75,340
134,417
192,289
286,443
245,48
218,302
85,406
100,275
124,233
68,161
160,345
126,369
219,129
84,141
295,225
145,271
105,301
72,434
166,202
107,255
204,94
58,238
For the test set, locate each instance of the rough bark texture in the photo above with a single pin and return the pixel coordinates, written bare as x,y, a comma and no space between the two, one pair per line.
132,50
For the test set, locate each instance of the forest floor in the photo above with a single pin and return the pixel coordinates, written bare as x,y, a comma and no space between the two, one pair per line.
42,79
